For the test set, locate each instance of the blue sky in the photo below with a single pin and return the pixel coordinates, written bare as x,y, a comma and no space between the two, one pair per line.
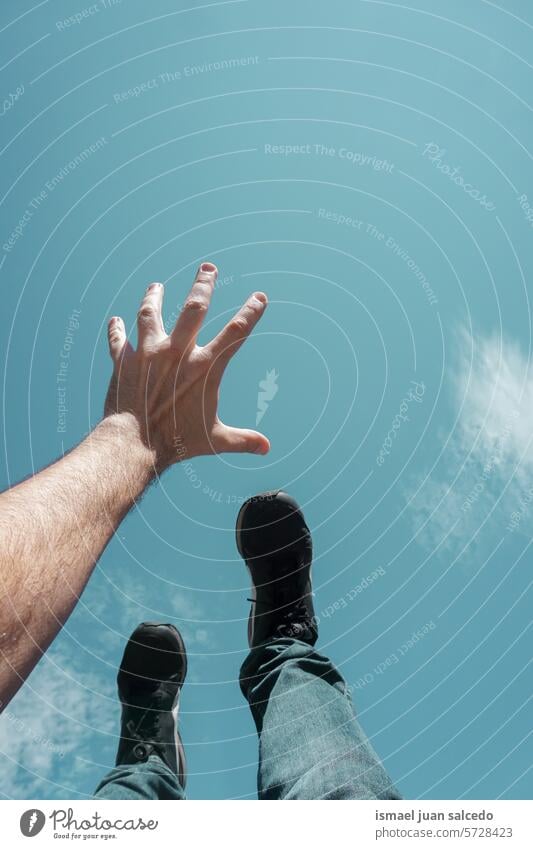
367,165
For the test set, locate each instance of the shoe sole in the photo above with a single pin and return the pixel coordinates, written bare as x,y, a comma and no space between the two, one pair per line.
181,645
269,495
238,529
182,760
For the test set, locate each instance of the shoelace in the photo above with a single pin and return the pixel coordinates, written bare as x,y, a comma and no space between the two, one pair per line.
147,727
294,620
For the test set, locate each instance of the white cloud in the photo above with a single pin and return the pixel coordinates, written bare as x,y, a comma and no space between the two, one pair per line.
488,458
201,636
186,605
498,396
66,716
49,730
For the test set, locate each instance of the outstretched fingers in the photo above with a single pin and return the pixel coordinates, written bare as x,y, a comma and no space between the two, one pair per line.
150,328
223,347
195,307
116,336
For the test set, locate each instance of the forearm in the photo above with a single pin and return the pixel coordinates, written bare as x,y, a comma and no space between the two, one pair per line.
53,528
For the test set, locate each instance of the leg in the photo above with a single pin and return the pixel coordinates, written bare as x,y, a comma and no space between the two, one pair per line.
151,779
310,743
150,759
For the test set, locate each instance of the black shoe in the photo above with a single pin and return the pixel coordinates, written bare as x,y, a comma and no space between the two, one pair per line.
150,678
276,544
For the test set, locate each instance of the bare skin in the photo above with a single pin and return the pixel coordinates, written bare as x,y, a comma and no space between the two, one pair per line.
161,408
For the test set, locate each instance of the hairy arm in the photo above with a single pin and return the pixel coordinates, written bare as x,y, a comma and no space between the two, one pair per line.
53,528
161,408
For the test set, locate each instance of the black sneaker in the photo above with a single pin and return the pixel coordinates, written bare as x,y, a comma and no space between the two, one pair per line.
150,678
276,544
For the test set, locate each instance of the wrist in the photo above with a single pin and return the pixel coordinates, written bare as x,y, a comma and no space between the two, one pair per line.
124,432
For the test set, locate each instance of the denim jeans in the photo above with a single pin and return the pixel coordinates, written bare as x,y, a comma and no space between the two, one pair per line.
311,745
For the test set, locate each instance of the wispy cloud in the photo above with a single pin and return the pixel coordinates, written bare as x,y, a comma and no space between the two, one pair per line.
186,605
190,613
49,730
488,459
68,709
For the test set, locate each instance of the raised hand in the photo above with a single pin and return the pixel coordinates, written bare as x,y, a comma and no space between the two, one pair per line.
171,385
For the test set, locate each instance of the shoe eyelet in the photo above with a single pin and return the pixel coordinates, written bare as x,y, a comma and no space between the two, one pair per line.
142,751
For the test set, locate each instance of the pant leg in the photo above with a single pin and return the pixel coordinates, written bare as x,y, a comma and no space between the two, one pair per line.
149,780
311,745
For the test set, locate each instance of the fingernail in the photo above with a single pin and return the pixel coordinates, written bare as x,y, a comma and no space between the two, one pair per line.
208,266
260,297
153,286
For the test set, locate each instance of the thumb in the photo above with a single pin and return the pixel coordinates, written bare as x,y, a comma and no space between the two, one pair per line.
236,439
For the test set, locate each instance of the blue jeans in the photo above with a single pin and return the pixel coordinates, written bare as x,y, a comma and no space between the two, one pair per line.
311,745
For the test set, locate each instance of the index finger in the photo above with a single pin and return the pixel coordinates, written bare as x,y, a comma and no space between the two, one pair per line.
195,307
